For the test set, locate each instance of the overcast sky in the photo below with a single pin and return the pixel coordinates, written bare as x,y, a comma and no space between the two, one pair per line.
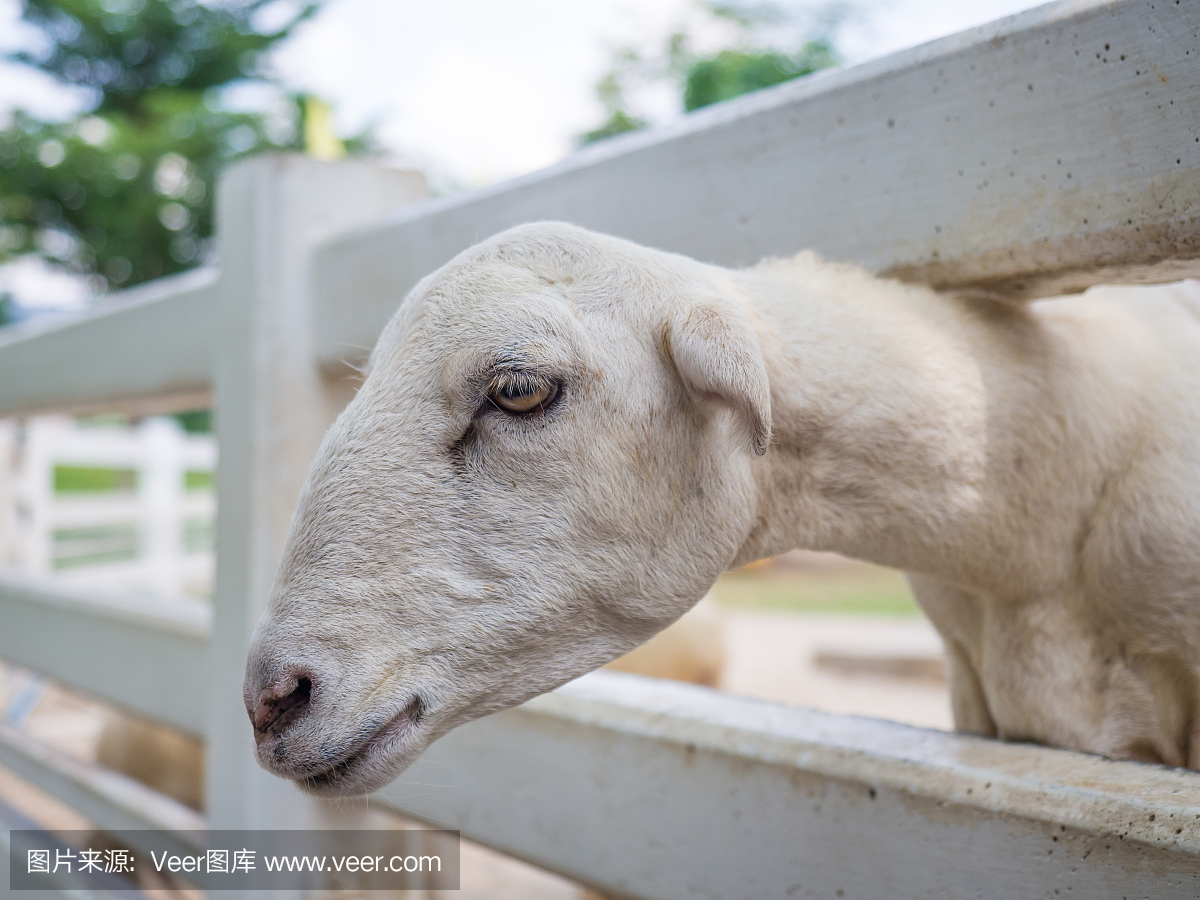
474,91
487,89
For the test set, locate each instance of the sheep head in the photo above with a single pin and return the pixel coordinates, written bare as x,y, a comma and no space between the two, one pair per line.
549,461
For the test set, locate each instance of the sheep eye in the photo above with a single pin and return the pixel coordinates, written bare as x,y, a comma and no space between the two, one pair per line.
524,395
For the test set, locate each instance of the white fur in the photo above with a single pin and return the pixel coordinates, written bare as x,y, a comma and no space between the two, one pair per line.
1035,468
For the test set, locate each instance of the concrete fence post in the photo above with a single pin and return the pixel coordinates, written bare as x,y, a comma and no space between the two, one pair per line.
273,405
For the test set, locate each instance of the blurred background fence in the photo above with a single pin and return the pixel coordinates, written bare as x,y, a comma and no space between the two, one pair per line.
108,504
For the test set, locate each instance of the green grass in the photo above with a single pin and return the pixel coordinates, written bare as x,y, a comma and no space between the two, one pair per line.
92,480
196,480
99,480
881,592
94,544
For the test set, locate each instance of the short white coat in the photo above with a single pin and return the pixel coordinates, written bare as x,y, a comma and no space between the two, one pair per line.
1035,468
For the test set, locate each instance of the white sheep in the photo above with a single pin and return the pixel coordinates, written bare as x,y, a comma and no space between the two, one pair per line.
564,439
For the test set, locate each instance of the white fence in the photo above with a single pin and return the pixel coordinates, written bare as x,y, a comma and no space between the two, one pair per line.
1057,148
151,535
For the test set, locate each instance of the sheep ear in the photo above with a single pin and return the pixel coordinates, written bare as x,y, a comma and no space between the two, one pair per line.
718,357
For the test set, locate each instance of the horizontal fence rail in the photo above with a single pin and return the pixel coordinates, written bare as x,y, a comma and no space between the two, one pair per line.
108,799
666,791
143,529
120,448
1029,156
153,340
146,654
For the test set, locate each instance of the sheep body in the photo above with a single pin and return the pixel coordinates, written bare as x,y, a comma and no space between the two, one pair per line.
1033,467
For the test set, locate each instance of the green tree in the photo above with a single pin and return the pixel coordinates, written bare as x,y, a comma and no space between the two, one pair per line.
731,73
754,59
125,189
619,119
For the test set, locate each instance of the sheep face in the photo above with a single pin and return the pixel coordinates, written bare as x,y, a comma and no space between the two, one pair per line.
548,462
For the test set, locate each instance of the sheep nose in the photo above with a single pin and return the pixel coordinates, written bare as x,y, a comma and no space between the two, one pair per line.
281,705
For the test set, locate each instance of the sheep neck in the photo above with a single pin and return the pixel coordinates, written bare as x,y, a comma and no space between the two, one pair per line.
893,411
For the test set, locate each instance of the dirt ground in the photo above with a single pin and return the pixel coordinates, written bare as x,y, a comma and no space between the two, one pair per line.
885,667
798,646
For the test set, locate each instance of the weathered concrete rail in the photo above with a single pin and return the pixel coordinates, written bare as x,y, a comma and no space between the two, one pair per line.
1042,153
668,791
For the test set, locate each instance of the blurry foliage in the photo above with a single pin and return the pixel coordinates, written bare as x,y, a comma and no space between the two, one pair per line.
732,73
620,121
129,49
611,92
125,190
195,421
753,60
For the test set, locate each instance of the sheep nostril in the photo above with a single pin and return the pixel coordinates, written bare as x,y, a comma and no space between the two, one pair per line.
297,698
280,706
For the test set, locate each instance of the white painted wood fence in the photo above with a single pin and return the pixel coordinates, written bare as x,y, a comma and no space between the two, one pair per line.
149,538
1057,148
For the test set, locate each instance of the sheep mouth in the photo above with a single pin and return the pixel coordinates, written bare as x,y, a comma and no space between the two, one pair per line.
340,778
